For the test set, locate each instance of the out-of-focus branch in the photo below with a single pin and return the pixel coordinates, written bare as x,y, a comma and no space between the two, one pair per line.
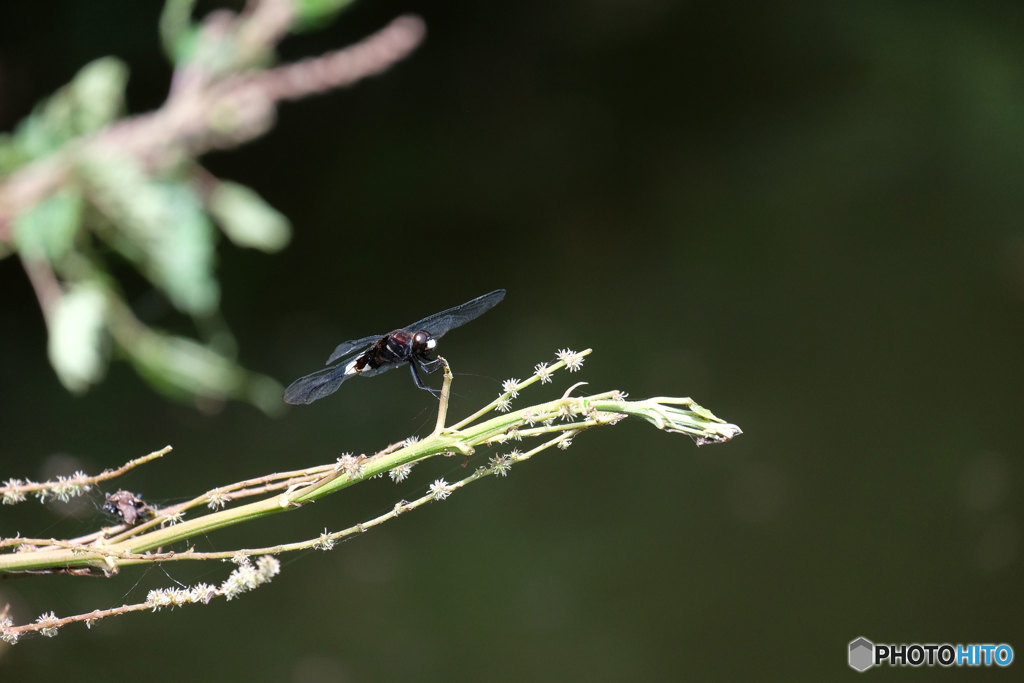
224,113
73,174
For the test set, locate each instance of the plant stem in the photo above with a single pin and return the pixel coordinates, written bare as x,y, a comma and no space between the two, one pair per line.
564,418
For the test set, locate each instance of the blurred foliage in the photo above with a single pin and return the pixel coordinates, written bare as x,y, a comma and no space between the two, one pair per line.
83,193
91,101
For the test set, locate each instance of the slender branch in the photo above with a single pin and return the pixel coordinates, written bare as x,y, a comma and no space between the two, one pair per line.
542,374
44,283
246,577
16,490
222,495
557,422
446,387
130,549
343,67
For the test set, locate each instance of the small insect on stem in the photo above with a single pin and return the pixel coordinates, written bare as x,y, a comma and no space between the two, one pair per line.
129,507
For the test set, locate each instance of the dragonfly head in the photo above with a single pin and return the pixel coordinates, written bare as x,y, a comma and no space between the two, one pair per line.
422,342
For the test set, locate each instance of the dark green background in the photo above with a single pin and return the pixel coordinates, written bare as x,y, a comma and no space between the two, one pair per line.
805,217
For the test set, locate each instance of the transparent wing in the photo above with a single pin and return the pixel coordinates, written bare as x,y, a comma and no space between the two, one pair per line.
347,347
370,372
315,386
325,382
439,323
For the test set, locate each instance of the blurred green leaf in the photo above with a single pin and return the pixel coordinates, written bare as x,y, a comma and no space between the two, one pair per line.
47,230
177,32
185,369
316,13
78,345
92,100
182,253
38,135
159,224
10,155
247,219
97,93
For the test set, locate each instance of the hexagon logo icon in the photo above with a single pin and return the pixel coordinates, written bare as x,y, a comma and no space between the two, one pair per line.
862,654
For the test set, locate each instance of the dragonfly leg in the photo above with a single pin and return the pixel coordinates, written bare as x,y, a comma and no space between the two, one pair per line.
430,365
419,380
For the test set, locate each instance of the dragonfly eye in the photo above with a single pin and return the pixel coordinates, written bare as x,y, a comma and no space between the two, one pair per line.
423,341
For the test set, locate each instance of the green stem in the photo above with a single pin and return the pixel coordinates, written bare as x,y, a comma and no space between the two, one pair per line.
567,415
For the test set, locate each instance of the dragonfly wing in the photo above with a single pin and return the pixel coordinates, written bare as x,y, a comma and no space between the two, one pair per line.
370,372
325,382
315,386
347,347
439,323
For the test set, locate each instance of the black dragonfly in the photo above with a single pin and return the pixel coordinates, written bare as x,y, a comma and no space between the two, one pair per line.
377,353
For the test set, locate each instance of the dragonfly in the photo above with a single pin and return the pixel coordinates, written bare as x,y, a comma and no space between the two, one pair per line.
379,353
